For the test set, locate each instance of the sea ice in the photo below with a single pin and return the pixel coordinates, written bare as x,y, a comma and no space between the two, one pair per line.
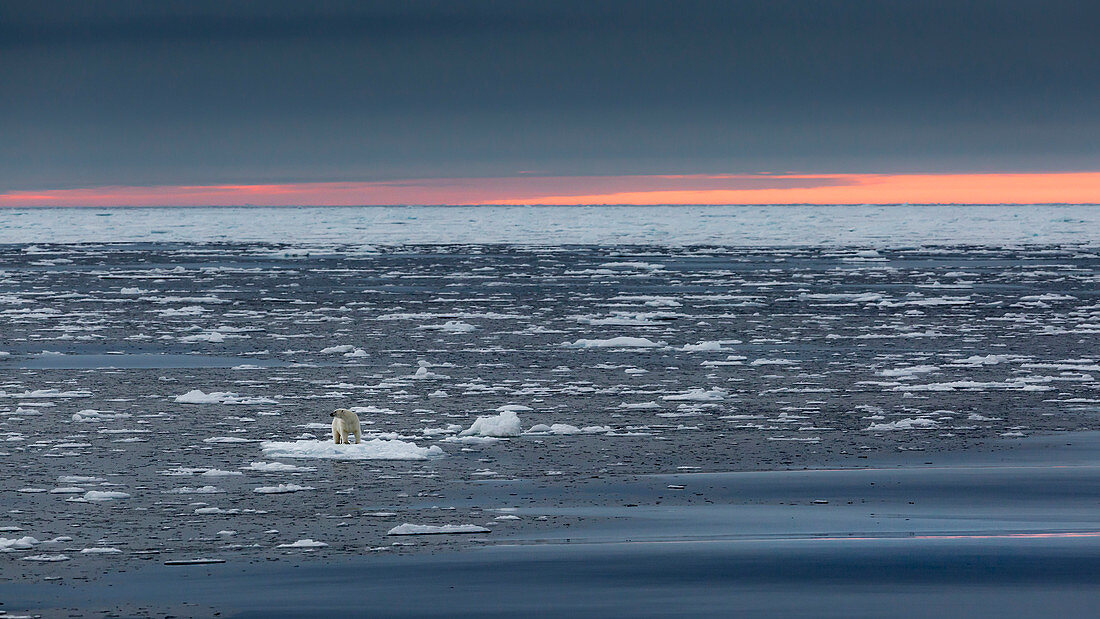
616,342
428,529
375,449
507,423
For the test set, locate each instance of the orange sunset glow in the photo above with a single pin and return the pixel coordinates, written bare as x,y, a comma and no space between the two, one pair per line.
998,188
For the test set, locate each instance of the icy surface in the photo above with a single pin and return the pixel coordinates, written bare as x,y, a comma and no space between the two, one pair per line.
878,226
427,529
763,357
374,449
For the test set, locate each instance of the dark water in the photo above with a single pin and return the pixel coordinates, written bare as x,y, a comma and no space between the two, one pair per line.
743,360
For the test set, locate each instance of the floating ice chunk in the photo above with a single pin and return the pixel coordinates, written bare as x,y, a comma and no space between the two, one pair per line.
304,543
452,326
984,360
715,394
978,417
918,423
566,429
342,348
428,529
199,490
357,354
47,393
100,550
616,342
104,495
227,439
708,346
278,467
759,362
213,337
46,558
79,479
219,473
18,543
196,396
281,489
90,415
908,371
472,440
375,449
507,423
422,373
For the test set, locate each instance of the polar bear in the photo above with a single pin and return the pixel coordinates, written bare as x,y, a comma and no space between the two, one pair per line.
344,424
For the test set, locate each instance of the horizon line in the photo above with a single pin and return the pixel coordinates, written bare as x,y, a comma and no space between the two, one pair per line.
1003,188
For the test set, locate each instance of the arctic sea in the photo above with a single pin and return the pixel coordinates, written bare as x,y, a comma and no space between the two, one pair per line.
573,411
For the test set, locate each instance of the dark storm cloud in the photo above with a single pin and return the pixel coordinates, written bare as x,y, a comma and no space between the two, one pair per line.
162,92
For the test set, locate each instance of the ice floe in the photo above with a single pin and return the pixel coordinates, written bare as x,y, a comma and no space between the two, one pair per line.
428,529
375,449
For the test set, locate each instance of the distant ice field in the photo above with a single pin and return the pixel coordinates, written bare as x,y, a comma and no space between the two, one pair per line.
739,226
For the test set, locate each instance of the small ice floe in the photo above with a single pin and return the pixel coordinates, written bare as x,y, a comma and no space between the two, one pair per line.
67,490
104,495
217,510
759,362
507,517
100,550
472,440
194,561
709,346
429,529
90,415
47,393
282,489
423,373
17,543
451,326
303,543
917,423
196,396
715,394
616,342
278,467
219,473
341,349
375,449
199,490
46,558
977,360
212,337
505,424
566,429
227,439
908,372
979,417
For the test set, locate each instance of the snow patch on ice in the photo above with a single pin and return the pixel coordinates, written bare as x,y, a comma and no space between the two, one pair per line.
375,449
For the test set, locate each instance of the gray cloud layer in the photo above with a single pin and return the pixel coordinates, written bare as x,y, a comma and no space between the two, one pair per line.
208,92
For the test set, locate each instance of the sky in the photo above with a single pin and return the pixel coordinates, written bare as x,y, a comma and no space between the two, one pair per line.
637,102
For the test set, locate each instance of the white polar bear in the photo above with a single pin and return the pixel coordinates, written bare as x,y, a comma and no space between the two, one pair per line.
344,424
